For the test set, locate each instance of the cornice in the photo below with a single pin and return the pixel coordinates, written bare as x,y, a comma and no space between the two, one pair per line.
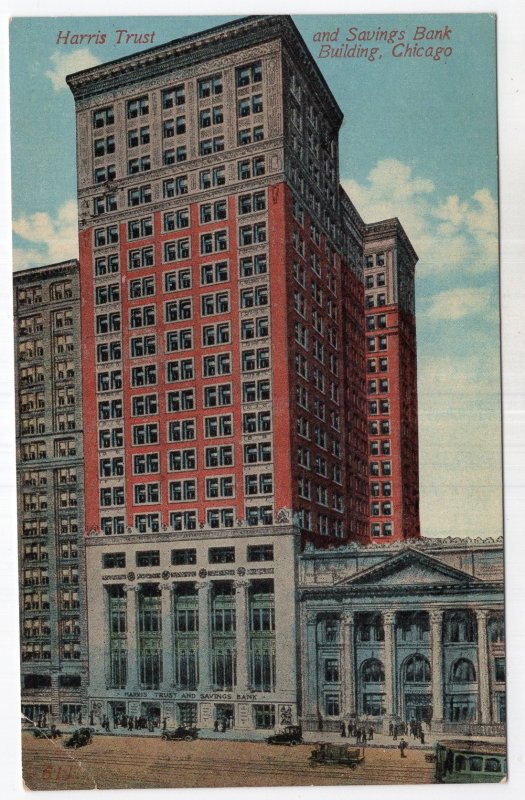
390,227
203,47
46,272
445,544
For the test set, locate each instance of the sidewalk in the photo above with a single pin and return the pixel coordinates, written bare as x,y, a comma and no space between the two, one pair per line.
380,740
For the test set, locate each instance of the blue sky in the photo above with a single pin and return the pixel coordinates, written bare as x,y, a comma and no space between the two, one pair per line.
418,142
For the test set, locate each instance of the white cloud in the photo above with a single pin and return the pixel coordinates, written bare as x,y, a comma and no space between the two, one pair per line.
456,304
66,63
447,234
52,239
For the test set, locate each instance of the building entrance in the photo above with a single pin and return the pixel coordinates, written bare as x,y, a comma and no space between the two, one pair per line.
151,712
224,716
418,707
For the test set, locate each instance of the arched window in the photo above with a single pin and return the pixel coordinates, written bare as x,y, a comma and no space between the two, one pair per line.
417,669
372,671
463,671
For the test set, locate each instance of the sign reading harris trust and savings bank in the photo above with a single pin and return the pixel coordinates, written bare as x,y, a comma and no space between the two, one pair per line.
191,695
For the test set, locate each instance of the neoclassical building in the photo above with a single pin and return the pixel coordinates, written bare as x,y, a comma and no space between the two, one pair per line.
411,631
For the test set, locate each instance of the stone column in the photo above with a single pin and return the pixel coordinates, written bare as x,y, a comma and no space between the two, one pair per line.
436,650
390,667
348,687
241,635
484,715
310,707
131,623
205,682
167,635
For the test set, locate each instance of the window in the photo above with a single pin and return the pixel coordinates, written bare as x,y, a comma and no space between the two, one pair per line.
145,434
254,296
181,430
251,168
141,287
103,116
186,556
249,74
142,164
145,463
140,228
143,404
213,177
180,370
221,555
219,333
219,456
146,493
181,339
142,316
104,204
181,400
104,146
260,552
147,558
331,670
178,310
213,212
218,303
180,460
173,97
179,491
218,364
177,281
143,346
208,87
220,395
138,136
139,196
175,220
214,273
138,107
249,135
218,426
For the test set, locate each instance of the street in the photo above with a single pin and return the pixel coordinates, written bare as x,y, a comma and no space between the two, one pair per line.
122,762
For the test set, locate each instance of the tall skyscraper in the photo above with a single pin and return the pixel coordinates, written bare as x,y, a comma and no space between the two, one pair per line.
224,368
50,492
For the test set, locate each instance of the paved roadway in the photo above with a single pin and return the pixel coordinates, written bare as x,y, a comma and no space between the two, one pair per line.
124,762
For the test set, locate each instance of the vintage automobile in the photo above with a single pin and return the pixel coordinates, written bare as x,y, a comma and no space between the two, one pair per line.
340,754
470,761
291,735
79,738
187,734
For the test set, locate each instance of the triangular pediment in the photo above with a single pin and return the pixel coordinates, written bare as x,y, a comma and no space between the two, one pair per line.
410,568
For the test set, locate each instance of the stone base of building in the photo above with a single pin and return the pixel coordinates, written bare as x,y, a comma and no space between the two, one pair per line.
220,711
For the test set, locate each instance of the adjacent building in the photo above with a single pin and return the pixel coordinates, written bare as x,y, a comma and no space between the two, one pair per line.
406,631
50,482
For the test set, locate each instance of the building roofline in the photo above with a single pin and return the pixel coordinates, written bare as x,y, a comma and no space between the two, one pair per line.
194,48
389,227
72,263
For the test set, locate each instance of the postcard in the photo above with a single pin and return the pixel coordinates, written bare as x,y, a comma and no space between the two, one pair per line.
258,406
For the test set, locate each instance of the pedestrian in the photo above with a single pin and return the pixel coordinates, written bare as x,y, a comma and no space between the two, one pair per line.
343,730
391,729
164,723
394,733
422,736
130,724
223,726
402,747
216,726
370,734
91,718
